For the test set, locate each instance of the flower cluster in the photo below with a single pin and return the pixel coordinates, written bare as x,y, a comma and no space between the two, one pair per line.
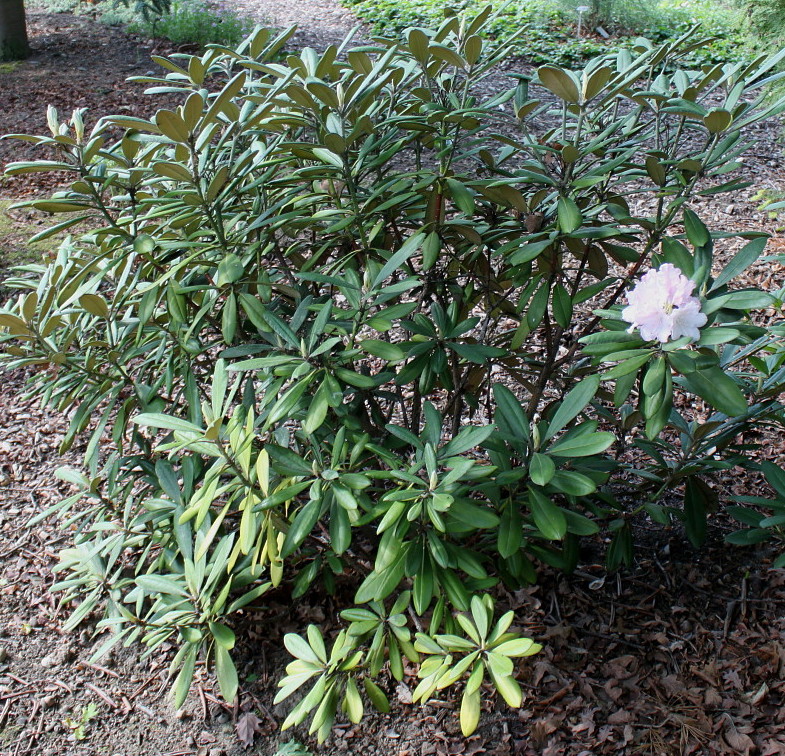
661,305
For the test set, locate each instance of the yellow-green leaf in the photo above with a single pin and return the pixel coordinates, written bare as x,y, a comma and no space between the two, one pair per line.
470,712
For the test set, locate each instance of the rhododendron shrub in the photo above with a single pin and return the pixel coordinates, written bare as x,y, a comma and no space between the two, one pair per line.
355,325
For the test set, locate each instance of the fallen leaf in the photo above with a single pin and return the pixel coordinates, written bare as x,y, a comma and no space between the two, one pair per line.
247,726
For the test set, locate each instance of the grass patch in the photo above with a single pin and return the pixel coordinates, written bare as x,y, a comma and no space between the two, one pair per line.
551,34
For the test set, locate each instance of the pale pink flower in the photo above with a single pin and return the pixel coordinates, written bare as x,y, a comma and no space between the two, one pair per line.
661,305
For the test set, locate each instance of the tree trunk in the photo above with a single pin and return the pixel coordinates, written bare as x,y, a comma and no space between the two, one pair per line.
13,31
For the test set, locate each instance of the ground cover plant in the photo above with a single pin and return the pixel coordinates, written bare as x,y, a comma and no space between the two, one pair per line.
353,328
195,22
558,32
198,23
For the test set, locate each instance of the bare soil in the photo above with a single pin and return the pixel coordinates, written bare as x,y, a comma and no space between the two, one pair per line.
684,653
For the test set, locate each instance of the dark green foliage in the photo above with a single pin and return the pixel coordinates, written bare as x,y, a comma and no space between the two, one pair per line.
149,10
551,28
766,19
338,323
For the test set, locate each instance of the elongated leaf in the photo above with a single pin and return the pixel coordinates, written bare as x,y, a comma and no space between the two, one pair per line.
742,260
287,462
548,518
161,584
582,446
302,525
409,247
573,404
510,534
695,513
185,677
509,414
569,215
376,696
166,422
226,673
470,712
718,389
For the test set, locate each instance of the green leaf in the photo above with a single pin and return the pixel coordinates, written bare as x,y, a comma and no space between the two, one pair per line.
430,250
718,335
582,446
518,647
560,82
226,673
509,414
480,617
184,679
408,248
775,477
541,469
509,689
352,702
627,366
569,215
695,513
95,305
573,404
382,349
740,299
376,696
223,635
419,44
301,526
287,405
50,206
230,270
577,523
718,389
328,157
462,196
287,462
423,587
548,518
300,649
171,125
742,260
317,412
12,321
380,584
510,533
561,303
166,422
446,54
573,483
174,171
697,233
160,584
717,120
467,439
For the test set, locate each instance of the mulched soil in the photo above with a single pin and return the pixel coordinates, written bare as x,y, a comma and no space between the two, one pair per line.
684,653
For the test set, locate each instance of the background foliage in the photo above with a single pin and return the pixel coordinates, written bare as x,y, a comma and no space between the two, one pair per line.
552,26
